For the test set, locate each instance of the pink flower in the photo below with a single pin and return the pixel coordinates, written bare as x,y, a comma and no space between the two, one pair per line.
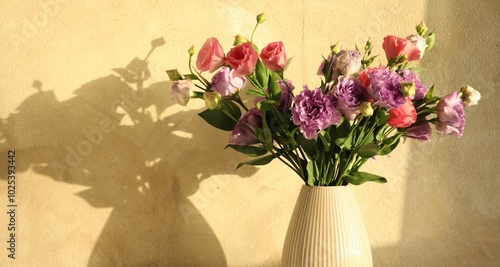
396,46
241,136
242,59
182,91
419,42
211,56
451,115
224,83
402,116
274,56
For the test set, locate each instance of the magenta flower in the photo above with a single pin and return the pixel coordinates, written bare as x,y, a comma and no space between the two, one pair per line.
451,115
314,111
241,136
224,83
348,95
420,131
385,87
420,89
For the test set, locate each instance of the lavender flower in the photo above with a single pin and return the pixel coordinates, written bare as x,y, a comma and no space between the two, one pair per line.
420,131
348,62
451,115
385,87
348,95
420,89
224,83
314,111
241,136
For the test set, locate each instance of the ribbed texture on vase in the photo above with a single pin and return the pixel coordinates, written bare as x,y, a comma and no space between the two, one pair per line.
326,229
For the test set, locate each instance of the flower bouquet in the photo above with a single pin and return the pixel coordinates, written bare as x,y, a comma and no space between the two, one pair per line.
326,133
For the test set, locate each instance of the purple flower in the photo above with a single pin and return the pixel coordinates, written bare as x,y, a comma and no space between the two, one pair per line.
241,136
420,89
224,83
314,111
286,95
385,88
451,115
420,131
348,95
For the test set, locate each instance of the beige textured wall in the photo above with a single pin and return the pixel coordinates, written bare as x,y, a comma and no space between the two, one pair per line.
156,189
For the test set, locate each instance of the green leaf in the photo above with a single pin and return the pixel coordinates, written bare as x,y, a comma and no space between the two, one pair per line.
428,95
266,132
252,151
391,140
312,172
174,75
368,150
274,89
325,139
191,76
266,105
381,116
218,119
261,74
344,142
231,107
357,178
255,93
416,69
386,149
308,145
258,161
380,131
430,40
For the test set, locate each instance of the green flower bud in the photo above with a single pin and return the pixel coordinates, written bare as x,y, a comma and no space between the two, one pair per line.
407,89
212,100
366,109
421,28
261,18
191,50
335,49
238,39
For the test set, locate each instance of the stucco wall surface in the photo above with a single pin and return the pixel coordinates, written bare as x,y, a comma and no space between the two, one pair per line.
111,172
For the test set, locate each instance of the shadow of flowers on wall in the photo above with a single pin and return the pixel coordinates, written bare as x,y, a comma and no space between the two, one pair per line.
117,137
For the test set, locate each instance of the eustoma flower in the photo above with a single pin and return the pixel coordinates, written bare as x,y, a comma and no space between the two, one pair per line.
182,91
314,111
348,62
241,136
419,42
385,87
451,115
242,59
348,95
274,56
224,83
211,56
396,46
420,131
402,116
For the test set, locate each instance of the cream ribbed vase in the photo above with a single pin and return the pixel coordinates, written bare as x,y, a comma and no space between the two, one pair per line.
326,229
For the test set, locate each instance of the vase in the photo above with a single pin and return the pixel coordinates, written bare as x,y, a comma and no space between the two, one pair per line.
326,229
